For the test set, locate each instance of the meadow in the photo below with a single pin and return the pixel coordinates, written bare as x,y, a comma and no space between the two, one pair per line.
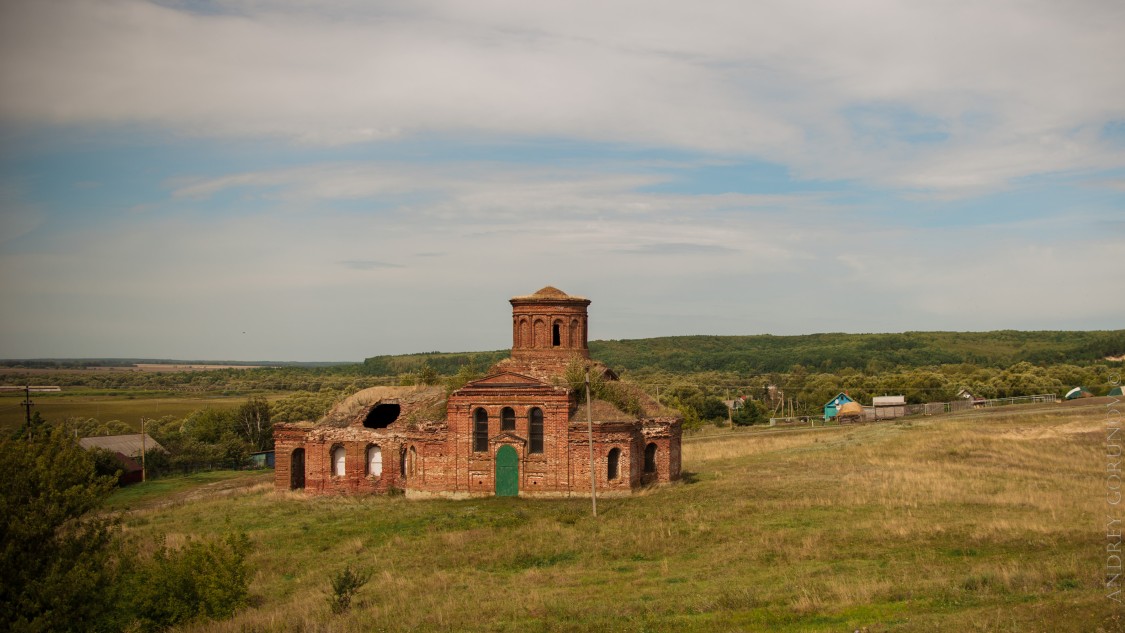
990,522
127,407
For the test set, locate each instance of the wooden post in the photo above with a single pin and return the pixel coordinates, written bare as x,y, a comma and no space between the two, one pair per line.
590,436
144,449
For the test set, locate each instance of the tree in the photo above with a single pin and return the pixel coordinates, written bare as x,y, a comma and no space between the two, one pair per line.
696,406
750,412
464,375
58,558
428,375
1025,379
209,425
253,421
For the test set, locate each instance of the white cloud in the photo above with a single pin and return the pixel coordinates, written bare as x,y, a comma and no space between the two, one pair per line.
337,255
1019,87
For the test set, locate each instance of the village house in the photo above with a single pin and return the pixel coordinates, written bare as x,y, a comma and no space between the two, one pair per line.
127,449
832,407
520,430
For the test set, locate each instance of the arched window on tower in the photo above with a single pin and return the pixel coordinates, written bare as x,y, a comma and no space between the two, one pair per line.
339,457
480,431
507,419
535,430
556,334
539,333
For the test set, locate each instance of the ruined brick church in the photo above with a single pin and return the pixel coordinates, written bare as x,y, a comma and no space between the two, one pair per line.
519,431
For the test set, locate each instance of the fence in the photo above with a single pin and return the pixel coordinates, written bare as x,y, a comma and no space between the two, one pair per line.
929,408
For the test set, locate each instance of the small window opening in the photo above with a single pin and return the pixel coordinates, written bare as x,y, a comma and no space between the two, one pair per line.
556,335
339,457
613,470
535,430
381,416
480,431
507,419
650,458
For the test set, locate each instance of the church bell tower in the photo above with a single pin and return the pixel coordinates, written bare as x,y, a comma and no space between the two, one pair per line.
549,324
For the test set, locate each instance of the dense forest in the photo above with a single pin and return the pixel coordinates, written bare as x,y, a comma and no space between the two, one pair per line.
766,353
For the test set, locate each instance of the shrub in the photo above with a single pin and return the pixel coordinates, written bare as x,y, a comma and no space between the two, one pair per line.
203,580
345,584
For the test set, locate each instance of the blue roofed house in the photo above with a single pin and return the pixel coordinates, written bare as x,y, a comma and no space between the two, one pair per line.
832,407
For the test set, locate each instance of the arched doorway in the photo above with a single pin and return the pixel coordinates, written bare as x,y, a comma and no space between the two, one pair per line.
507,472
297,470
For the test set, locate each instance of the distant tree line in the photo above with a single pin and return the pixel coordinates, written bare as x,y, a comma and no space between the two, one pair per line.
680,355
863,352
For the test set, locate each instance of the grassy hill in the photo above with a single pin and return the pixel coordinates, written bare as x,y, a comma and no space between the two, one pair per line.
983,522
830,352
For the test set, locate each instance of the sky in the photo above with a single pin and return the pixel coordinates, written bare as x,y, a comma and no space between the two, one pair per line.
327,181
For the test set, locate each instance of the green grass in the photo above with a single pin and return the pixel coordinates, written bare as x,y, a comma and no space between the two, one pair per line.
982,524
156,492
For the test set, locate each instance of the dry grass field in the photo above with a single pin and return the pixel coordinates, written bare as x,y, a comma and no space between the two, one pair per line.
978,523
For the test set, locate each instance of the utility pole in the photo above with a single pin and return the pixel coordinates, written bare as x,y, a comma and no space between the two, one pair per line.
590,437
730,409
144,449
27,404
27,388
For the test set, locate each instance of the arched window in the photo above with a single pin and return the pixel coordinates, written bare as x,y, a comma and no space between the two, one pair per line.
525,334
507,419
556,334
650,458
539,333
374,461
535,430
613,469
338,461
480,431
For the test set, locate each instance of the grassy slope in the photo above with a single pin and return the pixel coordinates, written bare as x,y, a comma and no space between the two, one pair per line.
986,523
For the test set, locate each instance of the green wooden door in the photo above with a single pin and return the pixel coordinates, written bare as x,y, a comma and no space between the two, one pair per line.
507,472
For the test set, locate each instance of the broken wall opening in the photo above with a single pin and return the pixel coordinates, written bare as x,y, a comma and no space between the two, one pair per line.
382,415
